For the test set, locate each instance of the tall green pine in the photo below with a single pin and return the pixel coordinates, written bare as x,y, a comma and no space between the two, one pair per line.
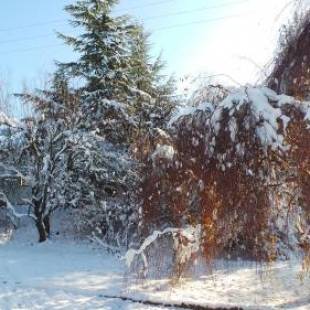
102,66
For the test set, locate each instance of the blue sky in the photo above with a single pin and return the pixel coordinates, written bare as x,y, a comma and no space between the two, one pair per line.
234,37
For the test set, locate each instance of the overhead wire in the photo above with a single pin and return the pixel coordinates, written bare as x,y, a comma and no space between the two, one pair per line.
200,9
154,30
64,20
195,22
202,21
58,21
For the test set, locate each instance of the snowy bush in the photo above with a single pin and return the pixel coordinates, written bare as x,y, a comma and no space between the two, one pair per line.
101,178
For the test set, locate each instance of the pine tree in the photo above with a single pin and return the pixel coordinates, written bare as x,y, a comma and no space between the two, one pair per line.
103,66
152,101
122,94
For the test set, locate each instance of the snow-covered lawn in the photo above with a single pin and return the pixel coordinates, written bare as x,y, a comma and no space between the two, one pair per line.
237,284
64,274
59,275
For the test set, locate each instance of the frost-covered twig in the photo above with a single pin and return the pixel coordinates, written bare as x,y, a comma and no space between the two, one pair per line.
132,253
11,169
11,208
95,239
190,233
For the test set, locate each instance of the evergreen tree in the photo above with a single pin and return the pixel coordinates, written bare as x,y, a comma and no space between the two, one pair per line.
152,100
103,66
122,95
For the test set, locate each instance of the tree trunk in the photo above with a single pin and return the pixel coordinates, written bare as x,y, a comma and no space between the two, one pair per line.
41,230
42,222
47,225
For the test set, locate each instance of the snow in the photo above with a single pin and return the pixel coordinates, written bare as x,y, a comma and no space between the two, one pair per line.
5,120
261,108
190,233
132,253
240,283
60,274
306,109
163,152
189,110
180,112
266,109
15,215
71,274
161,133
10,131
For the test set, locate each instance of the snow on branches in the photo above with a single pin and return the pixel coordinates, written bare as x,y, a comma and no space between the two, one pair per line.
186,243
232,171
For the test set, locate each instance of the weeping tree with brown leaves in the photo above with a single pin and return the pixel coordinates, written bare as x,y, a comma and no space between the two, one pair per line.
298,136
291,75
225,167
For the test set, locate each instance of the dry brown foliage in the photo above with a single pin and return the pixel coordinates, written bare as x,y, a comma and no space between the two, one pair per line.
291,73
232,194
299,137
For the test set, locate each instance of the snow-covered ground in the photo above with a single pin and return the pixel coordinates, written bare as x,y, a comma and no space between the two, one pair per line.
68,274
59,275
238,284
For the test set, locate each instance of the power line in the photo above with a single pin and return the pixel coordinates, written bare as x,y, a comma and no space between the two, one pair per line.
62,21
31,49
149,18
204,21
196,10
144,6
27,38
33,25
